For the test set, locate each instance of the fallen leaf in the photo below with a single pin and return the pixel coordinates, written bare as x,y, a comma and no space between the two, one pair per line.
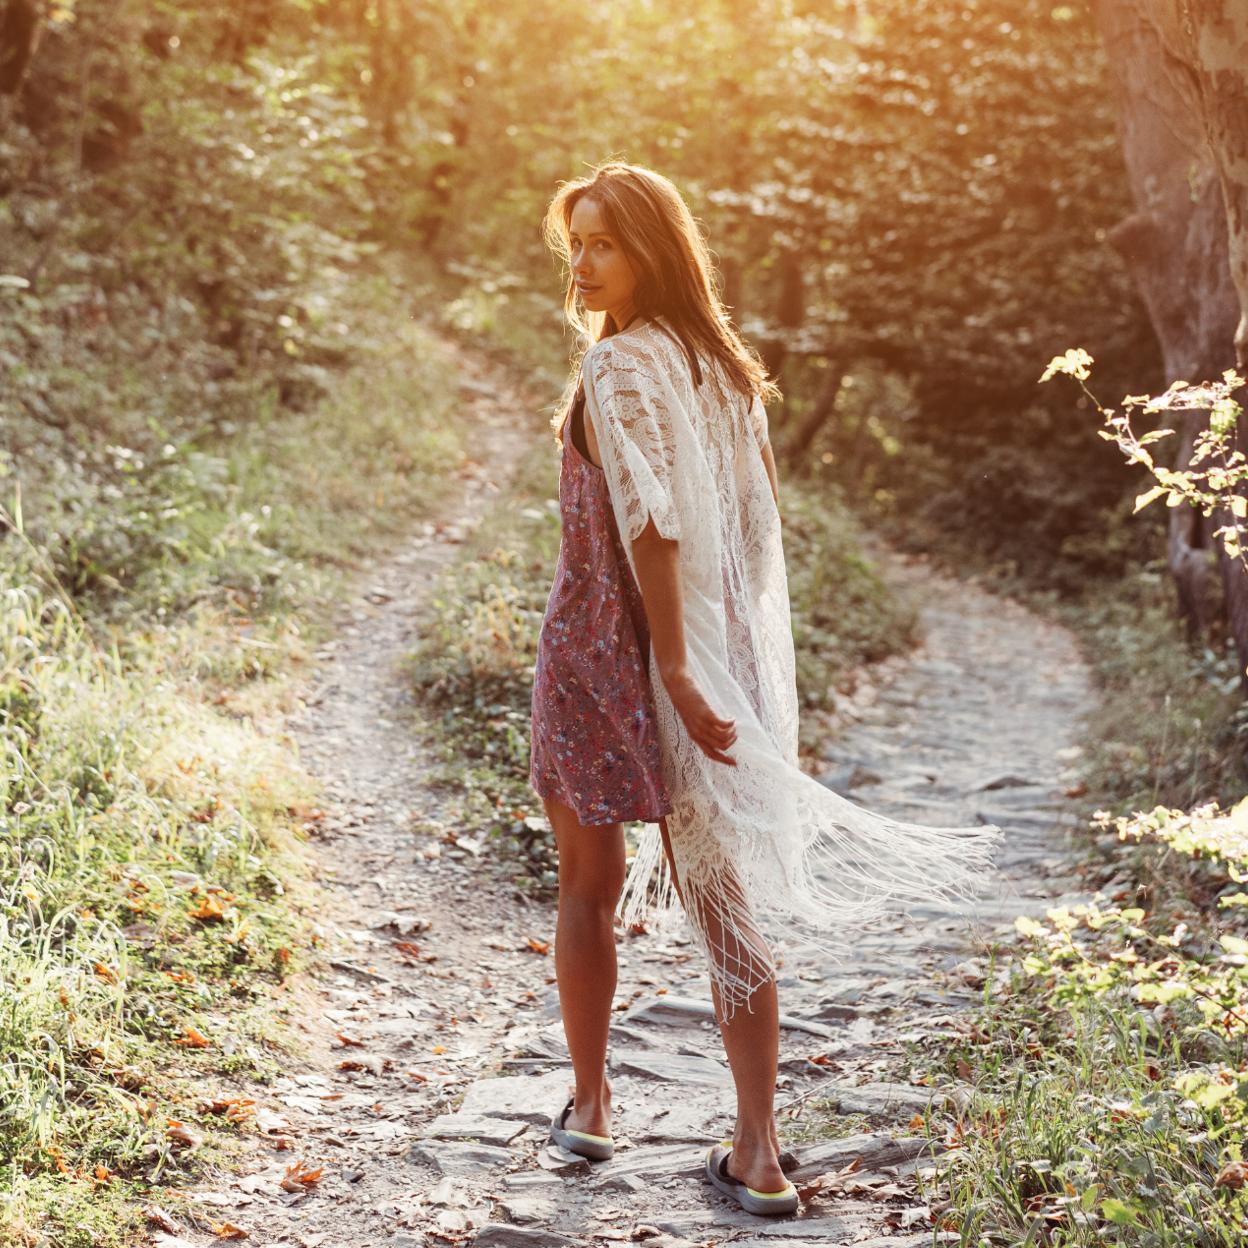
829,1182
208,911
181,1135
193,1039
158,1217
1233,1174
227,1230
346,1039
235,1108
539,946
298,1178
374,1065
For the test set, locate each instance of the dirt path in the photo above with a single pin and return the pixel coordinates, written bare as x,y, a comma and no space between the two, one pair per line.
436,1052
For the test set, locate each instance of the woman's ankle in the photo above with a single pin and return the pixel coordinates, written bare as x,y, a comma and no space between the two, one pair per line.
599,1095
756,1145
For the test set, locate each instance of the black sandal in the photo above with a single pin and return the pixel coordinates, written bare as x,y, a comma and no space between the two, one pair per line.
766,1204
595,1147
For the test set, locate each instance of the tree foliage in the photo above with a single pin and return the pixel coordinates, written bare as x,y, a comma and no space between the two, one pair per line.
908,202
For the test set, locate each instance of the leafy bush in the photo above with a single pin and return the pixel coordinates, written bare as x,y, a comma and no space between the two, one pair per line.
1109,1055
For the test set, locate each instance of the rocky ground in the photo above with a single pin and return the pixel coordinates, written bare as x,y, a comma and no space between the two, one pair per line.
435,1052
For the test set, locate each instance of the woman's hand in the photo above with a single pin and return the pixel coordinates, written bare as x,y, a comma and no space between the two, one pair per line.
710,733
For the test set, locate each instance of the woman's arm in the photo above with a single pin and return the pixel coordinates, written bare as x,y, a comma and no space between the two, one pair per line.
769,462
658,578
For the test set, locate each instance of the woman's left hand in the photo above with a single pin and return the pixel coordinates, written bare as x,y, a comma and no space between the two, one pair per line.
711,733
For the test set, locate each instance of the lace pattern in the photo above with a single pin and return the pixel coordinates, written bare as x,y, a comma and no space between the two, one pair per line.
762,843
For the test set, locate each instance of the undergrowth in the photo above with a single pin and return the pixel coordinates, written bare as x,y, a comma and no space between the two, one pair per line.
159,594
1108,1056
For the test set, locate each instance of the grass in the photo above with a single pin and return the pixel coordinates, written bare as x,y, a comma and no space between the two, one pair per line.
1109,1061
1170,726
160,588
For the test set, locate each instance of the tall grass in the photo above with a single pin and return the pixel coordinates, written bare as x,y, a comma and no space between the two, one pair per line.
149,874
156,613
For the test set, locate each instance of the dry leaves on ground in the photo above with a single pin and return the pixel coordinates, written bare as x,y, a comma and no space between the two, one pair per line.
299,1178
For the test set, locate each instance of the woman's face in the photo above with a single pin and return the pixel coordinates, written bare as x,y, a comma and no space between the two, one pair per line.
605,279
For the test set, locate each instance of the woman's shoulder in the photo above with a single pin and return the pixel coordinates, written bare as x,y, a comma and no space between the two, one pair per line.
649,349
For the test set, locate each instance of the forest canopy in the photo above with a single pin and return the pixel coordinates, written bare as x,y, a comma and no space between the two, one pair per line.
908,202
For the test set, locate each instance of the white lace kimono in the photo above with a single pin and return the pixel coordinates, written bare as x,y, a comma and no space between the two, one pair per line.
762,841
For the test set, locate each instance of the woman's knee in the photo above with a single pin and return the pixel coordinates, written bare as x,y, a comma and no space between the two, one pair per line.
591,859
592,882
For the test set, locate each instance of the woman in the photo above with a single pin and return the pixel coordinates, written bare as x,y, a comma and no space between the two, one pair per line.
670,403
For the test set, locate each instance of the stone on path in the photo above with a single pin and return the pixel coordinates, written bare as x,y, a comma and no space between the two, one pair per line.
529,1098
872,1151
669,1114
683,1068
534,1196
1004,780
463,1160
696,1223
880,1101
655,1161
556,1160
474,1127
503,1235
677,1010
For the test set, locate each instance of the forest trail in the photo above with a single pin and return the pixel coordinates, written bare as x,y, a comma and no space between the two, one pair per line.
436,1054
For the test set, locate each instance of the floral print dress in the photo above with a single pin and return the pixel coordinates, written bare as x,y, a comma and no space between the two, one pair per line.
593,736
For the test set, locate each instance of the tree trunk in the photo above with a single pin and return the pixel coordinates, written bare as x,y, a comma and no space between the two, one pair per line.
797,447
1182,82
20,27
789,316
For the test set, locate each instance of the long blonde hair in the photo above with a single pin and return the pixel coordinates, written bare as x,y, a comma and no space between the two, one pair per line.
666,246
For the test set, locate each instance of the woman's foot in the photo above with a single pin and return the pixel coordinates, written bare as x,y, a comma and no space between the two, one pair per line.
757,1166
591,1114
782,1201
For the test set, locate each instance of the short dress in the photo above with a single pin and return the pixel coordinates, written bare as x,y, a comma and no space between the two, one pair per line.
593,734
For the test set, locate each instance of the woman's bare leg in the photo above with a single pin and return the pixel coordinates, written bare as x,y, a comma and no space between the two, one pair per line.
752,1043
591,874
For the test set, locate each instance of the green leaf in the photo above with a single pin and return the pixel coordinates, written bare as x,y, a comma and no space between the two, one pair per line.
1119,1212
